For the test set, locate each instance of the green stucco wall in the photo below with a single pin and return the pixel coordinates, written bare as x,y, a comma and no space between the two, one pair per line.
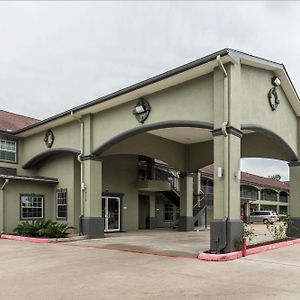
12,194
119,176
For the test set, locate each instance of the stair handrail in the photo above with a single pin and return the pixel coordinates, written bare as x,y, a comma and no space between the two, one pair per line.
201,198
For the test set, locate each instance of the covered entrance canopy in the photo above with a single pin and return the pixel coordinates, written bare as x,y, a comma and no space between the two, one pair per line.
216,109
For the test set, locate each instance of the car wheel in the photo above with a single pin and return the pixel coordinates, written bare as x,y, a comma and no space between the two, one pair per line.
265,221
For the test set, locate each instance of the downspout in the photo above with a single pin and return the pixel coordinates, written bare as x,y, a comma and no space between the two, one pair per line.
82,192
2,204
225,134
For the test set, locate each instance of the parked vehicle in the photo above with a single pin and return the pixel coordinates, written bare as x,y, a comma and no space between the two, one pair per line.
265,216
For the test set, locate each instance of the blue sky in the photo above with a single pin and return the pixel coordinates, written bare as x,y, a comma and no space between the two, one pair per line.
56,55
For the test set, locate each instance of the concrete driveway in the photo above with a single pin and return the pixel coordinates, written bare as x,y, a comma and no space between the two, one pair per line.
165,241
64,271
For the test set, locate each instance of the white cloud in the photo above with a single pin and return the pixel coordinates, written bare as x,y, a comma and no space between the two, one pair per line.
265,167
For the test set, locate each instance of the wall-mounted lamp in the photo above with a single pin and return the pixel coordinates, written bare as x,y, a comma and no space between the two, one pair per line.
142,110
220,172
272,95
237,175
276,81
83,186
139,109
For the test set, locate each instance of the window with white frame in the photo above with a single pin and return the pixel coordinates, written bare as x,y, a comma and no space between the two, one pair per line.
32,206
169,212
61,204
8,150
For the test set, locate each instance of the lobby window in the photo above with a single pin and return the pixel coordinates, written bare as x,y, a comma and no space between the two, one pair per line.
169,212
8,150
61,204
32,207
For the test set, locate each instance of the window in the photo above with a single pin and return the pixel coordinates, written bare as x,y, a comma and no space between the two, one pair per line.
32,206
8,150
61,204
283,197
268,195
249,192
207,186
169,212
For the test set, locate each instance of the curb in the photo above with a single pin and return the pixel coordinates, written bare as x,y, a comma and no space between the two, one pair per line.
41,240
238,254
24,239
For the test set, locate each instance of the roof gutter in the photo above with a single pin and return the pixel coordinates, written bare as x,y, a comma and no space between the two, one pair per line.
225,123
82,185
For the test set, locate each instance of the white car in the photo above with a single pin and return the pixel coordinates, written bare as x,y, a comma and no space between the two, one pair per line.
265,216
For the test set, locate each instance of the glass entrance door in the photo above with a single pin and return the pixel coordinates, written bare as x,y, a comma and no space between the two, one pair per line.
111,213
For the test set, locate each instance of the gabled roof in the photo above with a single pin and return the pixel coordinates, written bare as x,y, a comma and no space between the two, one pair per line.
167,79
252,179
10,121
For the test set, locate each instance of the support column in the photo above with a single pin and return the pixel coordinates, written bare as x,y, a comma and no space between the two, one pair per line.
197,184
92,222
259,198
186,219
226,227
151,220
294,200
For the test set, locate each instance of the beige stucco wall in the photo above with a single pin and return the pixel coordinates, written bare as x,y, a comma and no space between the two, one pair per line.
255,108
191,100
119,176
12,194
152,146
66,169
66,136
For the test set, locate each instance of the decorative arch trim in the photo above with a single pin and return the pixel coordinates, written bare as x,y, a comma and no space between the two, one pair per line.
51,152
276,138
148,127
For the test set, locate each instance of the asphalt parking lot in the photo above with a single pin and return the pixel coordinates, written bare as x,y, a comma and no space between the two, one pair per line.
68,271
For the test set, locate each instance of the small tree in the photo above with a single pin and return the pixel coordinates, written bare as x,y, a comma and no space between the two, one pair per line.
275,177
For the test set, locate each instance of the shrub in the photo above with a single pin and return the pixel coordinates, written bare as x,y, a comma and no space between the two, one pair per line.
31,228
279,229
41,228
56,230
247,233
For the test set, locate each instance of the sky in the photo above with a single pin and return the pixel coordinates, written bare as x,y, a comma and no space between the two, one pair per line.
57,55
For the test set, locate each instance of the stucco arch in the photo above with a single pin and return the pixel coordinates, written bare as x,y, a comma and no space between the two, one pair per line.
148,127
287,153
48,153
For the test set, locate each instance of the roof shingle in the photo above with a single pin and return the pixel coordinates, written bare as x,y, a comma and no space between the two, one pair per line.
251,178
11,121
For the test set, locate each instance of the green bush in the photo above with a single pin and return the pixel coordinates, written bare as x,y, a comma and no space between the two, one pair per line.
56,230
41,228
